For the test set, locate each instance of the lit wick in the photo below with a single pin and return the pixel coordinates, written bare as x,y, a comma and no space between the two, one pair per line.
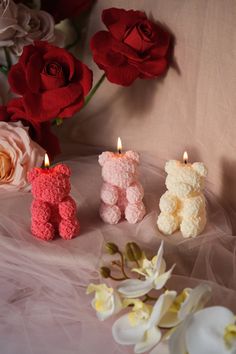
185,157
119,146
46,161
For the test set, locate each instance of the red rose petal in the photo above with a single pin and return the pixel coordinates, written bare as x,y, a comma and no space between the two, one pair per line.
152,68
122,75
51,82
86,78
33,70
63,58
4,116
118,20
16,79
71,110
49,104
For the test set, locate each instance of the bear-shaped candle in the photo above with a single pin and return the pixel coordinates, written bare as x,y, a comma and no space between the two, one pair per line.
183,204
121,192
53,210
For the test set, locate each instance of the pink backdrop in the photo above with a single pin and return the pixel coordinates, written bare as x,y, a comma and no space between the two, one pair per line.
193,109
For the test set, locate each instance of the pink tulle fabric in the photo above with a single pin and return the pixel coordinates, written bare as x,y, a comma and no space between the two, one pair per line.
43,301
53,210
121,192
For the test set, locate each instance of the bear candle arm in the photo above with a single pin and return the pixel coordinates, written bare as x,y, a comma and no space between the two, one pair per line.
134,193
109,194
41,211
67,208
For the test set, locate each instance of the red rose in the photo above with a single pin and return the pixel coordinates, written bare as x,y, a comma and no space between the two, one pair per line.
61,9
39,132
132,47
4,116
51,80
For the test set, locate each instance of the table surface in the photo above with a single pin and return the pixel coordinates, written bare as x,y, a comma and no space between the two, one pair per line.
44,308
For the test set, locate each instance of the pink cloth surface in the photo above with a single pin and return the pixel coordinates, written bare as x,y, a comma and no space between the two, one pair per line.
193,108
43,305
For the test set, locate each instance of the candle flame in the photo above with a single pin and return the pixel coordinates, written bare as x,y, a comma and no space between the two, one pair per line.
185,157
46,161
119,145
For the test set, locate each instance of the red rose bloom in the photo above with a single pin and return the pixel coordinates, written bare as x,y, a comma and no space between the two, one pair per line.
132,47
39,132
61,9
51,80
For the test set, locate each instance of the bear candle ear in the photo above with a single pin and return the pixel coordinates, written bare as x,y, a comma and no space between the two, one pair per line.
31,175
63,169
200,168
171,166
104,157
132,155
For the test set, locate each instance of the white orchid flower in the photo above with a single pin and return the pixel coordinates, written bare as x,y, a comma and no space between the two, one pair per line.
106,302
208,331
154,273
187,302
139,327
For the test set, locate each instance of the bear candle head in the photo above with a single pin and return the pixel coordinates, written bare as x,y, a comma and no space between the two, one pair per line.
119,169
50,185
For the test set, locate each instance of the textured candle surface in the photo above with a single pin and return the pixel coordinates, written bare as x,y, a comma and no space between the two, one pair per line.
53,209
183,204
121,193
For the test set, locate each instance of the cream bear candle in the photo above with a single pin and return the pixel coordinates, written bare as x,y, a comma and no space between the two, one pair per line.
121,192
183,204
53,209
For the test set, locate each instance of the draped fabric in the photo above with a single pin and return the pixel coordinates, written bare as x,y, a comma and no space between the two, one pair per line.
43,303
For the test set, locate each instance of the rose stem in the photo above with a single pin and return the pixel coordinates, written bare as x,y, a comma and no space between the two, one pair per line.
94,89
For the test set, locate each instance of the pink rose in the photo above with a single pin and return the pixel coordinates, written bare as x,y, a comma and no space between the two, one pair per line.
38,25
18,155
9,27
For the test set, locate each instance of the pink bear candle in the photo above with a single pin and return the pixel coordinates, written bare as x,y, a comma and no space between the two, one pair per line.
121,192
53,210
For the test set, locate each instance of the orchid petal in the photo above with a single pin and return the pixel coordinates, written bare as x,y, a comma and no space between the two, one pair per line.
124,333
159,257
132,288
169,320
152,337
205,333
160,348
161,307
177,344
196,300
161,280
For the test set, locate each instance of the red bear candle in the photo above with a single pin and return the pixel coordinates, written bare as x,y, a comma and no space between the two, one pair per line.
53,210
